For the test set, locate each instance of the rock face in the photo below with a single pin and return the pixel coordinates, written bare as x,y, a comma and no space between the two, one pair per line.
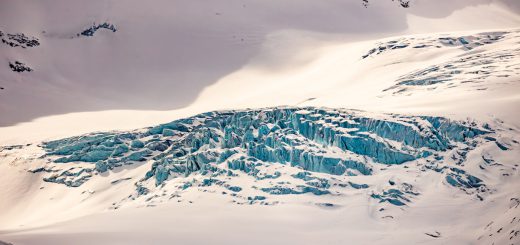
89,32
336,142
18,40
19,67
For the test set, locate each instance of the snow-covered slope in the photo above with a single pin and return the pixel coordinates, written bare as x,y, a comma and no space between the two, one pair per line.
341,122
160,51
367,173
131,55
428,74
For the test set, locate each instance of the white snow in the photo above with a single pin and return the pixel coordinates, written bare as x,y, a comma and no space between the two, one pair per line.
275,53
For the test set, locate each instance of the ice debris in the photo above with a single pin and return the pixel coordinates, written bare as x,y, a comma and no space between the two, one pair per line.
224,143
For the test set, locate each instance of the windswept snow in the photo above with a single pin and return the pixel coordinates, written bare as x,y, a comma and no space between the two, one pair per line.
163,56
280,122
473,78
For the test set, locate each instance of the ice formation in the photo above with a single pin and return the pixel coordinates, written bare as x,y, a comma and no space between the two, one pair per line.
331,141
464,42
473,70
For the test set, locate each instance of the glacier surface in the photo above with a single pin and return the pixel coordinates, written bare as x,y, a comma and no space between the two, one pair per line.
330,141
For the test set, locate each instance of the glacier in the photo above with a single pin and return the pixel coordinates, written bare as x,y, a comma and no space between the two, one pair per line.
320,140
472,70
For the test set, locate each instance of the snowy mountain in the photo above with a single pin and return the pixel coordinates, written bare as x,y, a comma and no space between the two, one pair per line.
281,122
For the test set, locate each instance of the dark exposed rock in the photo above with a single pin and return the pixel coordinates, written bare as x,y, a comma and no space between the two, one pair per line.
19,67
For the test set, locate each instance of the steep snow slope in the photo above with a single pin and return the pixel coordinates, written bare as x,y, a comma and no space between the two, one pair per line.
165,50
443,171
338,75
169,51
